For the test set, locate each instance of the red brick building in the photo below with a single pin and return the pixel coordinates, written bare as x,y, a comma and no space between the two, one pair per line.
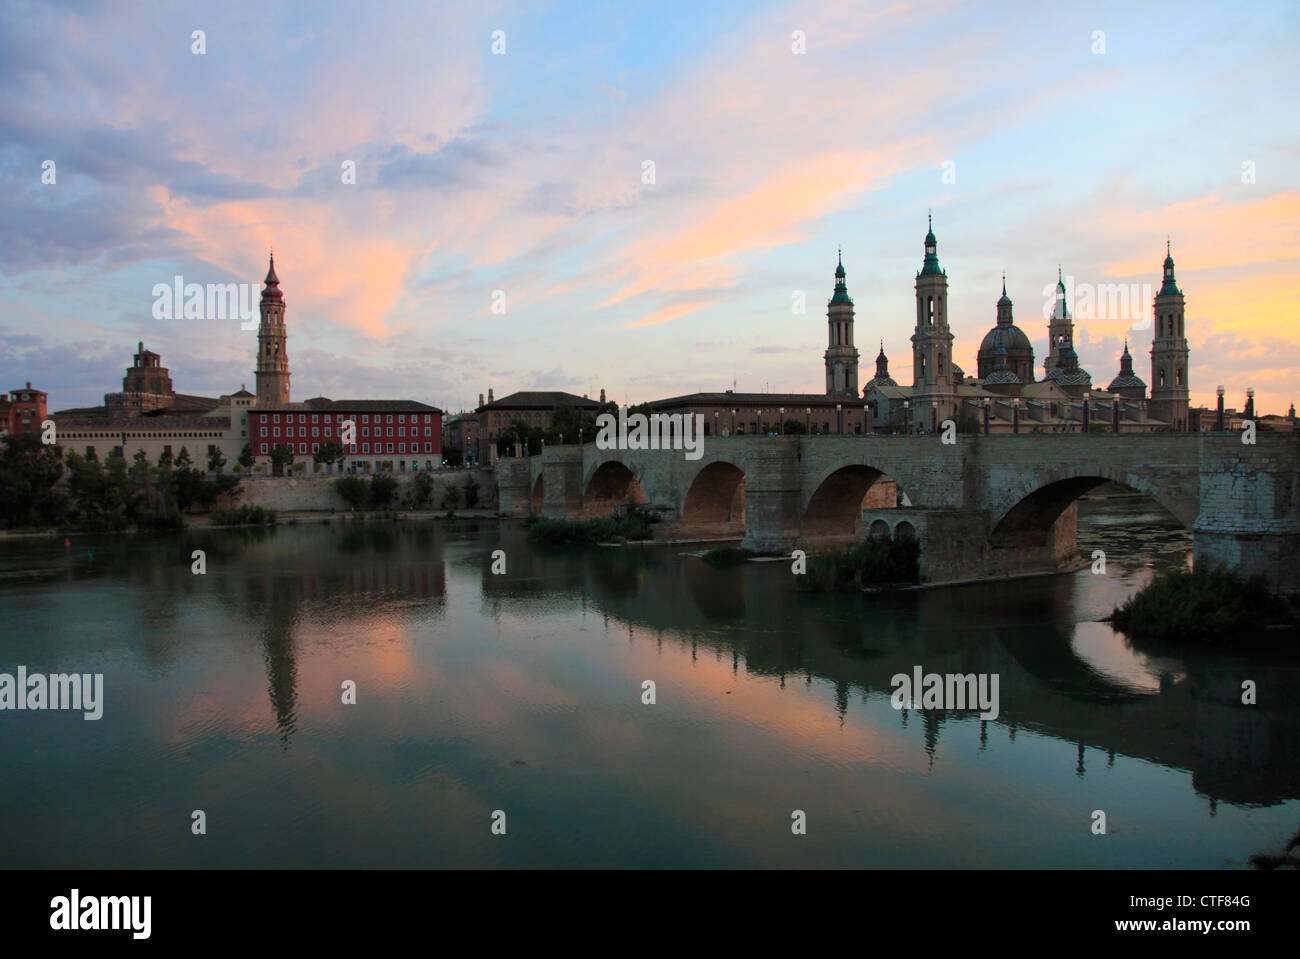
22,411
396,435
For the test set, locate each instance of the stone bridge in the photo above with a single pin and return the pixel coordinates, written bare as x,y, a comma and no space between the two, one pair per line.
982,506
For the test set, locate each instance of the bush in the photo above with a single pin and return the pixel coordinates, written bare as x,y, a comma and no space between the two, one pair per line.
636,525
244,516
159,520
874,561
1206,604
728,556
383,487
353,489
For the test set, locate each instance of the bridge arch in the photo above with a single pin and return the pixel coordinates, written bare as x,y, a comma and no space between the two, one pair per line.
611,484
1029,512
714,505
834,510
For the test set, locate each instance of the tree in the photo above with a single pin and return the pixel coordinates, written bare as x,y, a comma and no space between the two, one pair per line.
281,456
329,453
451,496
471,492
421,489
217,462
353,489
526,435
382,488
246,457
794,428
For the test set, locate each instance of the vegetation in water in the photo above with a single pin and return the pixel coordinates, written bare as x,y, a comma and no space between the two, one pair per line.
635,524
1208,604
873,562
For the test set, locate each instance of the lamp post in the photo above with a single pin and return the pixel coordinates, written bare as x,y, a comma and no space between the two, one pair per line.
715,422
733,422
780,426
758,423
907,416
986,416
1218,419
807,420
1015,414
934,416
839,418
1115,400
866,420
1250,403
1086,396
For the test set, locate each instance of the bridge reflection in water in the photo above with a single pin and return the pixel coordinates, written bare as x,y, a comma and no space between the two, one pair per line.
522,690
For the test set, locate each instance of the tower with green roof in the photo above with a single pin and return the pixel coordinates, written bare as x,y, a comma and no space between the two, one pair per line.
841,354
934,398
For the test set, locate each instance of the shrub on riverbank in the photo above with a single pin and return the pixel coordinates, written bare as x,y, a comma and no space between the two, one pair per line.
159,520
873,562
1205,604
634,525
244,516
728,556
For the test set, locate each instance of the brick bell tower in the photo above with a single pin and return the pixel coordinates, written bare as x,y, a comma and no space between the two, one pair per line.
272,346
1169,387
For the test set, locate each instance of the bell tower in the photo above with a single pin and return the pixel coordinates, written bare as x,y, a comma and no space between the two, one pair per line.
1169,388
841,354
272,372
932,344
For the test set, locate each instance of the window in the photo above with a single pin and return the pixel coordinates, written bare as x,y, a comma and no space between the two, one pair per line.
401,447
302,447
428,431
365,417
401,417
276,418
302,417
390,447
365,447
263,433
365,431
315,417
390,419
263,449
315,431
352,448
428,418
315,447
428,447
390,429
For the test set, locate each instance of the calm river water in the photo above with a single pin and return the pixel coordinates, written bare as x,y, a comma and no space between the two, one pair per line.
522,693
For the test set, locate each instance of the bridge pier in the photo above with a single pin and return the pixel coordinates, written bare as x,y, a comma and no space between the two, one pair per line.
1248,519
562,483
514,486
772,489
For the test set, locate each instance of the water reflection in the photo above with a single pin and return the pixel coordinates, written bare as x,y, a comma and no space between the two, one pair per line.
479,689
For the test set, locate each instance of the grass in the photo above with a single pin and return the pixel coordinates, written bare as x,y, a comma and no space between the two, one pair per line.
635,525
1209,604
873,562
244,516
728,556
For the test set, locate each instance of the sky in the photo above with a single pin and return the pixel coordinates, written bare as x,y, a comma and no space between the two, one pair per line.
636,197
